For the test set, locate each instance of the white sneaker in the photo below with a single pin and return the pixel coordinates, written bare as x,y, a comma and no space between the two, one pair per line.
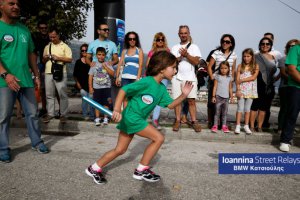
284,147
247,130
237,129
97,122
105,121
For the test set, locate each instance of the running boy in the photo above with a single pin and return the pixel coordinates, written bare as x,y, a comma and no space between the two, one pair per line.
100,83
142,99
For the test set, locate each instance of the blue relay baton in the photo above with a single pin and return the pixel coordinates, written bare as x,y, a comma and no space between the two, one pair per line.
97,106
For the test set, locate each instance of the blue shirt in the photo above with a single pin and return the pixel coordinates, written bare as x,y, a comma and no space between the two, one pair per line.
108,45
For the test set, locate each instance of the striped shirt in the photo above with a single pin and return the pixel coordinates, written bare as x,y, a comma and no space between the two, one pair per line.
219,57
131,67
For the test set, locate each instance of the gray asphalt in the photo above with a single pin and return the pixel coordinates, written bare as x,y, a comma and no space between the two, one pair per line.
189,170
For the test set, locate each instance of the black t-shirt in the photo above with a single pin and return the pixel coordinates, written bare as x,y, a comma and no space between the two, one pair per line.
81,72
40,43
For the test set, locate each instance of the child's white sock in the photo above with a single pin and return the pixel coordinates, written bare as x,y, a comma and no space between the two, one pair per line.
96,167
142,167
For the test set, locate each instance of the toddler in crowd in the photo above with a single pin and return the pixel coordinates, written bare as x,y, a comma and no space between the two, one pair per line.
222,91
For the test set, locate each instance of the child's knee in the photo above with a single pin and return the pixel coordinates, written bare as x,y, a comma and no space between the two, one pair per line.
160,139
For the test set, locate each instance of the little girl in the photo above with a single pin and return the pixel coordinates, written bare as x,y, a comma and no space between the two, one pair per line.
142,99
221,92
246,88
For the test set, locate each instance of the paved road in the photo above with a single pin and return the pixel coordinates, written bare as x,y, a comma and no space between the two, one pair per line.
189,170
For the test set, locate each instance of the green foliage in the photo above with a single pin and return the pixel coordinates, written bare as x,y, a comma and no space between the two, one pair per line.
69,16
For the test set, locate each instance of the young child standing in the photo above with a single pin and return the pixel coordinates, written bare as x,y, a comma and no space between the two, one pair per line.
222,91
100,83
246,88
142,99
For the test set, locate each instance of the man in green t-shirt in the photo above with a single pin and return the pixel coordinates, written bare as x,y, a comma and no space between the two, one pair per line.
293,92
17,59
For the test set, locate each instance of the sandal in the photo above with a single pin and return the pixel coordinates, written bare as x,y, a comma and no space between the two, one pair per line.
196,126
176,126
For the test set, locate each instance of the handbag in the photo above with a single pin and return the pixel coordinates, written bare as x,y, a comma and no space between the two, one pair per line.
56,69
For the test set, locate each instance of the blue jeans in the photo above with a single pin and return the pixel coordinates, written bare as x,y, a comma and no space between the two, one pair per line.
157,109
29,105
87,110
293,108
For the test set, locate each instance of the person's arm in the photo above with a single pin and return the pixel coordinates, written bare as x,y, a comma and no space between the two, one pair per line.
115,59
209,68
185,92
109,70
32,62
230,91
294,73
117,116
118,83
91,89
61,58
253,77
233,69
141,60
11,80
194,60
88,60
213,99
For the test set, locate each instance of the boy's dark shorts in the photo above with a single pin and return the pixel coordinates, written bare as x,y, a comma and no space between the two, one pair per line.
102,96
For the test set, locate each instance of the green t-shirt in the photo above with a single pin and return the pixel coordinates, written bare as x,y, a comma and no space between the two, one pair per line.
293,58
142,96
15,45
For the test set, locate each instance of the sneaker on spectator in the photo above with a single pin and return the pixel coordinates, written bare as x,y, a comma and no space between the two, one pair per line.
225,129
105,121
5,158
97,122
247,130
63,119
284,147
57,115
47,118
97,176
146,175
41,148
237,129
156,124
214,128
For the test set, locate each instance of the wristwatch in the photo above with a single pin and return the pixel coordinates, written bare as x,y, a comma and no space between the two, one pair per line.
3,75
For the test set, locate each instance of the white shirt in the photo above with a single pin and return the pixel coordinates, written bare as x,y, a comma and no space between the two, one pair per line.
186,71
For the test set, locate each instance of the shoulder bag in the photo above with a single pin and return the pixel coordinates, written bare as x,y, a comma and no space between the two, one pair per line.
56,69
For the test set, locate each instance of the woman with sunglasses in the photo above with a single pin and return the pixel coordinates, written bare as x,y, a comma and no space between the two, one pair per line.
222,53
81,77
131,60
265,89
159,44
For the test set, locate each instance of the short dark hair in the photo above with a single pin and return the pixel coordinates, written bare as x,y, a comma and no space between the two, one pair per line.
101,50
271,34
42,22
160,61
54,29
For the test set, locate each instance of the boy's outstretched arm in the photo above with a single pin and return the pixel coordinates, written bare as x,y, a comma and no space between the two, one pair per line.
117,116
185,92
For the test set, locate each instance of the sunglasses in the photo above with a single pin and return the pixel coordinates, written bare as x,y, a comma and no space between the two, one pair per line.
41,27
226,41
160,40
131,39
104,29
265,44
83,50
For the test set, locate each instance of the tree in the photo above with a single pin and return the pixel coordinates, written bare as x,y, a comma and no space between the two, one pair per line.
69,16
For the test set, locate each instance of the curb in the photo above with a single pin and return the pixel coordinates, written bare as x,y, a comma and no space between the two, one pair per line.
73,127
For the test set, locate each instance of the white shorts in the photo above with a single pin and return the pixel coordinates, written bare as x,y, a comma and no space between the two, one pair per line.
178,84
